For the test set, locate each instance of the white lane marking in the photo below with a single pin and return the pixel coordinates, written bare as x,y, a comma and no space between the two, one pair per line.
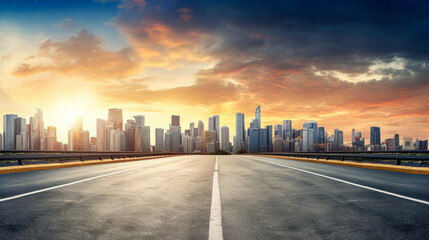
75,182
215,230
347,182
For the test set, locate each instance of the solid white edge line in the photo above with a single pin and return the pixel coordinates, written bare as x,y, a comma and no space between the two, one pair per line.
215,229
347,182
75,182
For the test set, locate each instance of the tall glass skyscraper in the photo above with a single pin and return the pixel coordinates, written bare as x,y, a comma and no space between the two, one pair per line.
287,129
258,117
312,125
375,135
9,131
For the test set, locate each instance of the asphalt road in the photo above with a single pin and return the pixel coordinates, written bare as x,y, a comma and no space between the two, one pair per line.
178,198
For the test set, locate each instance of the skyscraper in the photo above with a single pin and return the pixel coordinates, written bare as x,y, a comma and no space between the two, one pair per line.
287,129
353,136
258,117
253,140
224,143
312,125
36,130
51,138
375,135
146,138
159,139
175,120
321,135
209,137
338,140
20,133
269,137
240,132
1,141
278,130
115,117
200,128
9,131
101,134
397,142
214,125
139,120
75,139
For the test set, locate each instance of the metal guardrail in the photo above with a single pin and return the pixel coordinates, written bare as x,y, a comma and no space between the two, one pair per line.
353,156
19,156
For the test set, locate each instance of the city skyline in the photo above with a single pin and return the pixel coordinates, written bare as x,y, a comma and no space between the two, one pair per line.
79,59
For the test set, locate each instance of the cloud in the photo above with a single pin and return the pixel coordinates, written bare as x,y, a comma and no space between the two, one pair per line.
81,55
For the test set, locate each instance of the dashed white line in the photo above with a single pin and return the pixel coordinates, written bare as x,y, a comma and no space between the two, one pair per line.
215,230
75,182
347,182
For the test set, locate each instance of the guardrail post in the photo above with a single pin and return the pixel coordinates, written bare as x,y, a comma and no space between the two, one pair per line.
113,158
421,164
19,162
398,162
101,159
342,159
81,159
327,158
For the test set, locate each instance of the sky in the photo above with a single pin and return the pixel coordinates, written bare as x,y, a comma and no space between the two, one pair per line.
346,64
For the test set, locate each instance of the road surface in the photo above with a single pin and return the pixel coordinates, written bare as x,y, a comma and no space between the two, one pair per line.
214,197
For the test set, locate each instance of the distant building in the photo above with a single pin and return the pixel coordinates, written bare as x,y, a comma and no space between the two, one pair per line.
278,130
258,117
287,129
214,126
408,144
312,125
240,133
101,134
175,120
252,140
200,128
115,117
9,131
397,144
20,133
375,136
224,143
390,144
159,139
321,135
140,120
209,137
269,129
278,143
146,139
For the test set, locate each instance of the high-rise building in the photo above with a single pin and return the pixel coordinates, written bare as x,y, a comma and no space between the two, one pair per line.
214,125
240,132
75,136
252,140
258,117
139,120
167,141
1,141
9,131
321,135
390,144
101,134
36,130
278,143
138,139
278,130
146,138
115,140
115,117
397,146
308,140
338,140
175,139
187,144
224,143
20,133
175,120
130,128
200,128
375,135
287,129
263,140
209,137
353,135
269,129
159,139
312,125
85,143
52,138
408,144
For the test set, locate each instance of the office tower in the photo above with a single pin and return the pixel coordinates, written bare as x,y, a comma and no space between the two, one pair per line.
258,117
159,139
312,125
175,139
224,143
20,133
359,144
146,138
52,138
278,130
269,129
191,129
338,140
253,123
75,135
408,144
9,131
240,133
305,140
123,141
175,120
390,144
397,147
253,140
208,139
139,120
353,135
138,139
85,143
287,129
115,140
129,132
321,135
375,136
187,144
115,117
36,131
200,128
1,141
101,134
214,125
167,141
263,140
278,143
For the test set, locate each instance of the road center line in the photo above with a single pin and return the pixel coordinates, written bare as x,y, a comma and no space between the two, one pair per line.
347,182
215,230
75,182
